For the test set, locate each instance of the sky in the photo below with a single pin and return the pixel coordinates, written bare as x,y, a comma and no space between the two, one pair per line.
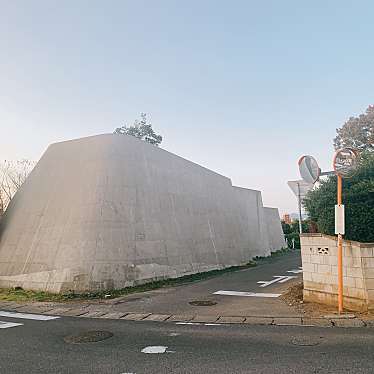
243,88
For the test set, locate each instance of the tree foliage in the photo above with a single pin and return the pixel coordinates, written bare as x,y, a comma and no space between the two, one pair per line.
357,132
358,198
12,175
292,232
141,129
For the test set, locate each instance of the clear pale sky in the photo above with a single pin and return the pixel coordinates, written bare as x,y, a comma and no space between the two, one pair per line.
241,87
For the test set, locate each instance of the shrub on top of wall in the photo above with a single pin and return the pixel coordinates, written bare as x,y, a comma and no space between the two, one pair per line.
358,198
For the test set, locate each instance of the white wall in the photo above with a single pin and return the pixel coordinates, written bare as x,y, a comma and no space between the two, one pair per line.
112,211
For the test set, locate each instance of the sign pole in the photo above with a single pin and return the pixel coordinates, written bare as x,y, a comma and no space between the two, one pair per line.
345,163
300,216
340,251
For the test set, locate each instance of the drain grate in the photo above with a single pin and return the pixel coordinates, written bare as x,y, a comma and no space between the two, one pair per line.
202,303
88,337
306,341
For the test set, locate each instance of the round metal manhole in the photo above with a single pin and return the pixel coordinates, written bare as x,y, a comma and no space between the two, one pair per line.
306,341
88,337
202,303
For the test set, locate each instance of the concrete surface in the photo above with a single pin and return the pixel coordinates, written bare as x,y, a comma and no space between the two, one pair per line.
38,347
111,211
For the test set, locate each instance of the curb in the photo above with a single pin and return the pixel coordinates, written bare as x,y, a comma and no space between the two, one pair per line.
195,319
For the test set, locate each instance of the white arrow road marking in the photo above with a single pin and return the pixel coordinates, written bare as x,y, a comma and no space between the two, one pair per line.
278,279
295,271
247,294
7,325
156,349
286,279
268,283
36,317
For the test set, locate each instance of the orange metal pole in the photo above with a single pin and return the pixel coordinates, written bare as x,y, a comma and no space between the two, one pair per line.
340,190
340,253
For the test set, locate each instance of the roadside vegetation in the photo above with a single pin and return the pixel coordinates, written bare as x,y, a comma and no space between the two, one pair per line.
292,232
358,191
358,198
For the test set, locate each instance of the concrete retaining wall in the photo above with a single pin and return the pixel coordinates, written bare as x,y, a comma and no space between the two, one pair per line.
274,229
320,271
112,211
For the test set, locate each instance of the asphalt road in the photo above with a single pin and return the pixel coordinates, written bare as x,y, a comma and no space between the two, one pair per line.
175,300
39,347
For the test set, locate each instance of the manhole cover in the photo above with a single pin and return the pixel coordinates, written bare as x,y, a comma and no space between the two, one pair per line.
202,303
306,341
88,337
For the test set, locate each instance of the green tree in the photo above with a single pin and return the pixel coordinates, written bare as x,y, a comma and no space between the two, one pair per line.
357,132
141,129
358,198
286,228
291,232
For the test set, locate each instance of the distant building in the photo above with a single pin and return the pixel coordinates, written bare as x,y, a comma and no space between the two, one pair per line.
287,219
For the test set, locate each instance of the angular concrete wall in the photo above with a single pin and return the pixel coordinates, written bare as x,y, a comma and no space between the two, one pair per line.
274,229
112,211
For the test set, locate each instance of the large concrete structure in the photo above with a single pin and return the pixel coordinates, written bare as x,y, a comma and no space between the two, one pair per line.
112,211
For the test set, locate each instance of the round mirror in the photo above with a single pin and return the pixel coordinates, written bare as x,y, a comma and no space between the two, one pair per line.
345,162
309,169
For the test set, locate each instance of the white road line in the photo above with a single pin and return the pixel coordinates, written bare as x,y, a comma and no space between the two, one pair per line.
198,324
278,279
247,294
286,279
268,283
36,317
7,325
295,271
155,349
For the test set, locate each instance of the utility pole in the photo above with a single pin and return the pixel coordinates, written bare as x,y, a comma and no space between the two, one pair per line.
344,163
299,201
340,244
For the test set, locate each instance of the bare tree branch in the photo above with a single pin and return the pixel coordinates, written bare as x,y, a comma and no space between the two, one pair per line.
12,175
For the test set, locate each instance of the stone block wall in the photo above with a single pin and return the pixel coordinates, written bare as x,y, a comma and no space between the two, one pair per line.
320,271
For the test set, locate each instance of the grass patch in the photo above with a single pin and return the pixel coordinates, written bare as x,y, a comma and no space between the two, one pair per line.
18,294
